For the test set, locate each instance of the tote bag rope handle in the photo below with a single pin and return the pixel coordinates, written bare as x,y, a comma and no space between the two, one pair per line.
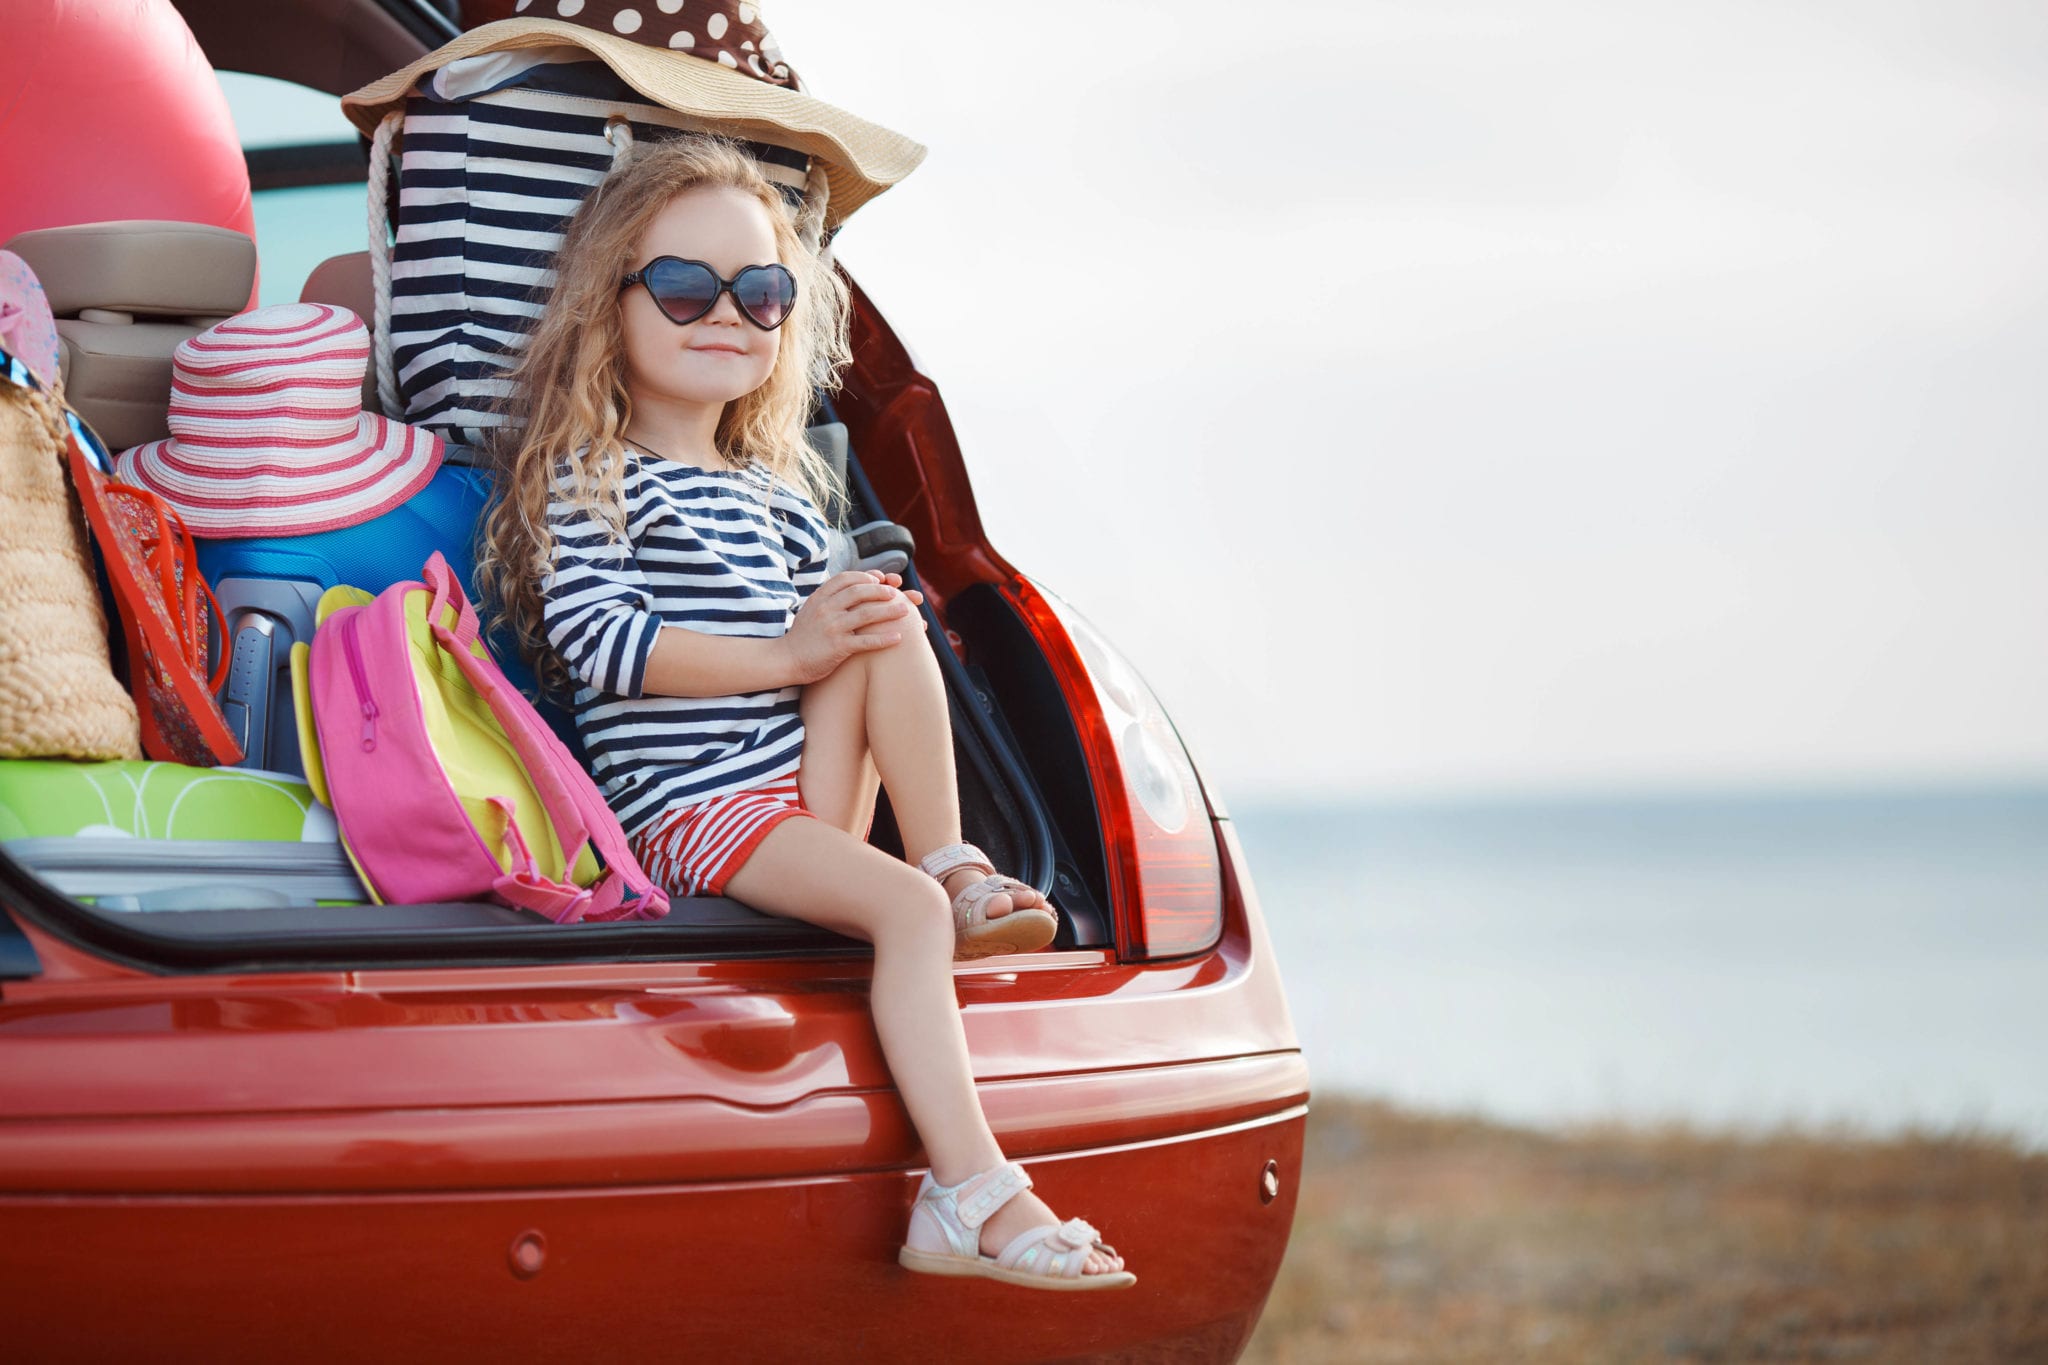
380,262
618,133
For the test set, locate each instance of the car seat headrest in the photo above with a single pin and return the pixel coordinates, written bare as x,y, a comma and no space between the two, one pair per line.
142,267
345,282
125,294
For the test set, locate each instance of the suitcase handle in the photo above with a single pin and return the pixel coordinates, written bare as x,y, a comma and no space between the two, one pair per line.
245,700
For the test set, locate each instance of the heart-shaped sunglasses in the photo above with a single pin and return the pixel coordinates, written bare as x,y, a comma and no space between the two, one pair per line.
686,290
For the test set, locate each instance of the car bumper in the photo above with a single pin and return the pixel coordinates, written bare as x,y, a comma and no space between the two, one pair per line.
770,1269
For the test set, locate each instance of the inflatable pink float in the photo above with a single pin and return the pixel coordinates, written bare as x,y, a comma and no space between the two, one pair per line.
108,109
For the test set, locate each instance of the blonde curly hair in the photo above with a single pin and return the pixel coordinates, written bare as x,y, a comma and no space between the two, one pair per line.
568,398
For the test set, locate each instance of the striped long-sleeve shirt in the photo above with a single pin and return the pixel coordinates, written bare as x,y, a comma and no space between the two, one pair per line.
719,552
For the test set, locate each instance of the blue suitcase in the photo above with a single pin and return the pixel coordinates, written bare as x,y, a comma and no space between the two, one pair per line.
268,588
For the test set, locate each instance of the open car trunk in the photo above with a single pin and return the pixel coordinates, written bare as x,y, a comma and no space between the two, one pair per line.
1027,795
1004,806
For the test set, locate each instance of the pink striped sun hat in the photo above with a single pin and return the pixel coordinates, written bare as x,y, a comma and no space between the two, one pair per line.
268,433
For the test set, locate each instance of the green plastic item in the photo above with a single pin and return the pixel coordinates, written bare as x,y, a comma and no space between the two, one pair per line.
42,798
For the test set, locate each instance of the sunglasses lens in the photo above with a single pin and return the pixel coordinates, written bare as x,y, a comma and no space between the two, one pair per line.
766,292
684,290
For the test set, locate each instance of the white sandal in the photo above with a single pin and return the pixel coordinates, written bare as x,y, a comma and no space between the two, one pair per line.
945,1237
1023,930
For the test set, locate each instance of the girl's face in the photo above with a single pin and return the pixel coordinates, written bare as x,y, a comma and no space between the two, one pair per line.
722,355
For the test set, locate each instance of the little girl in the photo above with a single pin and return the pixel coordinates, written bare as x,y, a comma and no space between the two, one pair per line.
659,543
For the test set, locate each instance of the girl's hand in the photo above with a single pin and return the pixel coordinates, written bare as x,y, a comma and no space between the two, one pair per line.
856,612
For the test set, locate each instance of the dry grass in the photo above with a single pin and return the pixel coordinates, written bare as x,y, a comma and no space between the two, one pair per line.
1436,1239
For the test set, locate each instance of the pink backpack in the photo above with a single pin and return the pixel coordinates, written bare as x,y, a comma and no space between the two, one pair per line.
446,783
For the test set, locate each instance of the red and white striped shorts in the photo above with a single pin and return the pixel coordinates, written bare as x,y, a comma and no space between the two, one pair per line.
694,850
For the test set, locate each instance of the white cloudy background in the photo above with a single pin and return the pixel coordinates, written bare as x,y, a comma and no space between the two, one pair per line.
1486,395
1476,396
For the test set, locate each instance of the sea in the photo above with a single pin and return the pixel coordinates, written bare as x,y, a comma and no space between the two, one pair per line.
1850,962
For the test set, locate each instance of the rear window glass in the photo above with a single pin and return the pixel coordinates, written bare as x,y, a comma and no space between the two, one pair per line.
297,227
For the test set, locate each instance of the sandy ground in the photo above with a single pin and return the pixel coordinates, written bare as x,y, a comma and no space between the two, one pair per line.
1439,1239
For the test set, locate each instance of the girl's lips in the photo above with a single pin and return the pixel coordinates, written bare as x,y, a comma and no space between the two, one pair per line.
718,350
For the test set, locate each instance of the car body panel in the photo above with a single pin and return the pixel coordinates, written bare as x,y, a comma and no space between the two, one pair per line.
377,1162
754,1271
628,1143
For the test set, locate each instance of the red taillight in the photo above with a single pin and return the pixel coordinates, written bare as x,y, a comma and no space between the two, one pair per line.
1165,877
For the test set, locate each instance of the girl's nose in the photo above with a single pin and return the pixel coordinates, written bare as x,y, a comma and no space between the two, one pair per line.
725,310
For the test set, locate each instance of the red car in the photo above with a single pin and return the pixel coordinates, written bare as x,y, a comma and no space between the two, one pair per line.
460,1132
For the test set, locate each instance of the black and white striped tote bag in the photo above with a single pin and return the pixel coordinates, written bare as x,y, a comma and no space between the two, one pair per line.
486,183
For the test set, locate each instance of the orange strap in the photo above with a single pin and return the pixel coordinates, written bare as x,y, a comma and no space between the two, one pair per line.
175,560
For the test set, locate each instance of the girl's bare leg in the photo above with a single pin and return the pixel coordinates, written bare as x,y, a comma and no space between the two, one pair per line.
817,872
838,778
883,714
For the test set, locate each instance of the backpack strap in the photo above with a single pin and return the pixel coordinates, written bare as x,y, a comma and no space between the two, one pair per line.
572,802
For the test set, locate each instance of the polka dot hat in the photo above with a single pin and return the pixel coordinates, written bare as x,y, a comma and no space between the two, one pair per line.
714,60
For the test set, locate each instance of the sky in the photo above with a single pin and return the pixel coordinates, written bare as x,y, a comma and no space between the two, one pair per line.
1438,398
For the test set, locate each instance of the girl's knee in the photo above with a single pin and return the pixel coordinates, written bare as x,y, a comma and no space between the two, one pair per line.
920,912
929,908
912,650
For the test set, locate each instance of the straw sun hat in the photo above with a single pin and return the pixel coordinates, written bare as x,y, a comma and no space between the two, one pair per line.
268,434
711,60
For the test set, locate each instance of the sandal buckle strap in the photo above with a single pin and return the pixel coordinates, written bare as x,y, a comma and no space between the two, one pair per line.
1078,1235
967,906
1055,1250
998,1187
941,862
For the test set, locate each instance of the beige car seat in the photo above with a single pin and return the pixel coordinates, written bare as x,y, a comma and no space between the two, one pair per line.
345,282
124,295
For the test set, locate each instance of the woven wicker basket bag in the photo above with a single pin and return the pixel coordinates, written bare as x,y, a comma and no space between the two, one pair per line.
59,697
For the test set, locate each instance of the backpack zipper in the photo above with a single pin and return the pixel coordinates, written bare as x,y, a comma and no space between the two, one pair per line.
352,650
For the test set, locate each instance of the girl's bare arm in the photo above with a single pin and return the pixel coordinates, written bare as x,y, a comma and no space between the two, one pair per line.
848,614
